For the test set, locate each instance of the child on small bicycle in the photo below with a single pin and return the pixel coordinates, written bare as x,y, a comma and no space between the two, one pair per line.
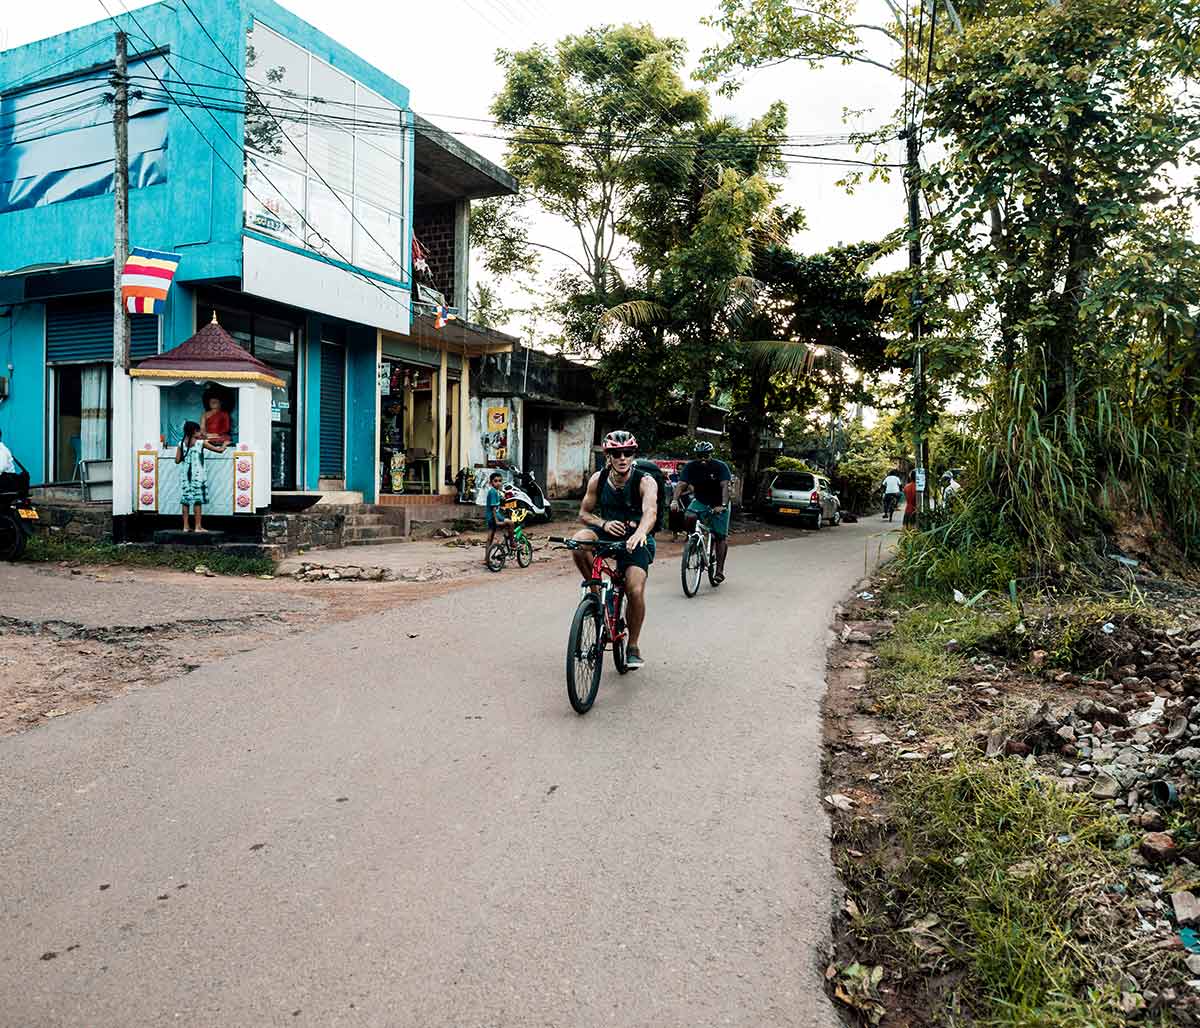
497,516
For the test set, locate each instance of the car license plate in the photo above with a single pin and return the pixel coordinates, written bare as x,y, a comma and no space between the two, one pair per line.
788,510
27,512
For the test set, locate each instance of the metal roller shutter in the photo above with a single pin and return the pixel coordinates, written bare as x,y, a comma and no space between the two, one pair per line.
82,330
333,411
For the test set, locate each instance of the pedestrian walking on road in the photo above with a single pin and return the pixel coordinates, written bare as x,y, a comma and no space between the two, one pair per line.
910,501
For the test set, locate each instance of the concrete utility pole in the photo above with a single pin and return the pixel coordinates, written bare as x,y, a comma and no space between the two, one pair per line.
122,395
120,81
913,175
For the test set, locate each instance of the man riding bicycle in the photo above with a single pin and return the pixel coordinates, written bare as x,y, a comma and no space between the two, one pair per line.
622,503
709,481
892,491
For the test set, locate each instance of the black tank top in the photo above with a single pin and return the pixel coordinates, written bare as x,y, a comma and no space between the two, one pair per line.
621,504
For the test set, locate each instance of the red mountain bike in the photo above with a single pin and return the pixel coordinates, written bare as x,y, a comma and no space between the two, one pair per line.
599,623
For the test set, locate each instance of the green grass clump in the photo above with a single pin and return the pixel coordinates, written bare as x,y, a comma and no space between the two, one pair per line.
996,882
1004,877
45,548
914,665
1014,867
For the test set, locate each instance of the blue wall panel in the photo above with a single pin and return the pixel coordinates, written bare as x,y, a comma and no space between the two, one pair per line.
23,414
362,388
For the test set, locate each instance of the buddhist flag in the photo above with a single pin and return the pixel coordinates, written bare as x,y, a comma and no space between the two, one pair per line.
443,314
146,279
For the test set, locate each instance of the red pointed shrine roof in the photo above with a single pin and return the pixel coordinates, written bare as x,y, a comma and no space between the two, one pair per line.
210,353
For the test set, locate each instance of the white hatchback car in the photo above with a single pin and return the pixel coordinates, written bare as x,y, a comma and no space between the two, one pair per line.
803,496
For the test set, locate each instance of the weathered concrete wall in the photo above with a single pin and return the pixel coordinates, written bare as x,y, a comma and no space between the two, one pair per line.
82,521
488,445
569,457
434,227
301,531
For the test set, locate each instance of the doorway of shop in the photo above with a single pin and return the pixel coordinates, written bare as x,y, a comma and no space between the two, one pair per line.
537,444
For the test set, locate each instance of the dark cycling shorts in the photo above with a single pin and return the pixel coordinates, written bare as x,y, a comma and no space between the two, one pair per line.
642,557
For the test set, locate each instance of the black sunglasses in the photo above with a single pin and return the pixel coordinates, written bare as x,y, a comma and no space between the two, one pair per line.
623,453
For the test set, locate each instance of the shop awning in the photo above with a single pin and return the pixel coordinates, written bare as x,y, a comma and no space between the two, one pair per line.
461,337
447,170
212,353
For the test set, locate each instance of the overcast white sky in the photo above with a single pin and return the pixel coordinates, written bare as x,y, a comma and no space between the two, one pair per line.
444,53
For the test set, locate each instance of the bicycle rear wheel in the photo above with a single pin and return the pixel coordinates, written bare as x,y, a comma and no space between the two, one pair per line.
585,655
712,563
524,552
497,554
620,643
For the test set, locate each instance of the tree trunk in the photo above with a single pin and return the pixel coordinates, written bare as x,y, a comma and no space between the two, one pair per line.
694,411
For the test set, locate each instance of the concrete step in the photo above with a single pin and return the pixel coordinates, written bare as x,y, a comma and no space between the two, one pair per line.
362,520
361,509
340,499
358,533
175,537
445,512
379,540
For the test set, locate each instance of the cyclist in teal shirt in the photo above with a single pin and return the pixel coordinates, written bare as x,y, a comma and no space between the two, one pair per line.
709,481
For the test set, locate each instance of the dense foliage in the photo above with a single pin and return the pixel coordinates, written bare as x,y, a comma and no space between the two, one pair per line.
1061,273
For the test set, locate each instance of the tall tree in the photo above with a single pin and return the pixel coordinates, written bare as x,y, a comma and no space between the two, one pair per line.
587,117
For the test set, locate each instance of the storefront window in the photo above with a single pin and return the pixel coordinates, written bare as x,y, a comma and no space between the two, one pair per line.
82,416
325,158
408,427
273,341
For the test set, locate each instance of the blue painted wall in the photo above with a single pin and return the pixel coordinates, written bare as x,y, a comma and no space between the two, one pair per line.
362,387
197,212
23,414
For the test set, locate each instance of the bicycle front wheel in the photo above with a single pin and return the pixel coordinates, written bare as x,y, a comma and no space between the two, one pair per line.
691,566
524,552
585,654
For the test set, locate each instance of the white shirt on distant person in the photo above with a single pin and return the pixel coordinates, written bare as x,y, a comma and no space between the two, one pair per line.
892,485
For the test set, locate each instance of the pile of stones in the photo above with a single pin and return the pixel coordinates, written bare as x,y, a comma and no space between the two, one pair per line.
307,572
1135,742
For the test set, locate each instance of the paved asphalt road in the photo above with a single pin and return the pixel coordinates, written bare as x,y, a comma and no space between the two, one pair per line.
399,820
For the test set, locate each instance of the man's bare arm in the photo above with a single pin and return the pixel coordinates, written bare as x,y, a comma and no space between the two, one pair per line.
587,505
649,491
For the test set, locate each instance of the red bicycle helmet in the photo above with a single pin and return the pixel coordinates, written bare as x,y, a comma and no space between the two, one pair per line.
619,439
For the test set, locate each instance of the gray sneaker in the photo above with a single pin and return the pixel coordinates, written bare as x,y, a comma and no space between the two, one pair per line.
633,659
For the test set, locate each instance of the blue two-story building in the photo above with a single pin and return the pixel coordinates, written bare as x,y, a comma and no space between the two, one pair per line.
291,177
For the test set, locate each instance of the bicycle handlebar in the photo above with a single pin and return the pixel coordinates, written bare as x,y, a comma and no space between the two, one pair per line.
604,547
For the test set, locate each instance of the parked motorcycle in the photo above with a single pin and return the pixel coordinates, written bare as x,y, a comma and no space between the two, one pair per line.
530,496
17,514
526,492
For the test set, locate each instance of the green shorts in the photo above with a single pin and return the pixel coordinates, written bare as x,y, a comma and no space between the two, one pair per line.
642,557
718,523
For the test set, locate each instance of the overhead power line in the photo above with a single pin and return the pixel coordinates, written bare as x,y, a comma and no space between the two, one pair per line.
240,175
662,146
